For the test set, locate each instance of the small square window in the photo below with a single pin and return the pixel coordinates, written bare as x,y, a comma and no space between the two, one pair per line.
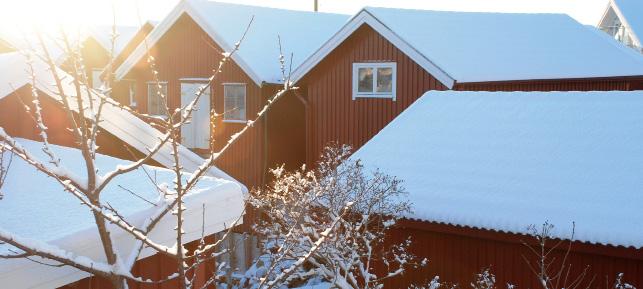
234,102
156,93
375,80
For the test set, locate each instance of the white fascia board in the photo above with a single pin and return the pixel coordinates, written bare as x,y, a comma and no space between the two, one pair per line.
364,17
167,23
621,16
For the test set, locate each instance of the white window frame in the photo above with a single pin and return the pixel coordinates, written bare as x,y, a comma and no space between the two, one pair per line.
167,89
245,102
96,73
374,65
132,98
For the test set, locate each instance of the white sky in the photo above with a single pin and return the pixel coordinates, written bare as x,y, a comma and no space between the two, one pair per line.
14,13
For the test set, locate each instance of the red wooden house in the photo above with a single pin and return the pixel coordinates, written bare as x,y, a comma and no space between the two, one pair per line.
122,134
481,167
189,44
383,59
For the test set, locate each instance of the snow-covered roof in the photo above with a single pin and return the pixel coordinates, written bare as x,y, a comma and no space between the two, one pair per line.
118,122
482,46
36,207
103,35
301,34
630,13
505,160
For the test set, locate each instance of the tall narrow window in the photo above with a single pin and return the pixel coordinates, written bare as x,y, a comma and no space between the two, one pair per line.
156,92
131,92
96,81
234,102
374,80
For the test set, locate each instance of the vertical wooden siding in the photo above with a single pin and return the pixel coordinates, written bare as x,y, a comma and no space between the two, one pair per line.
186,51
597,84
17,122
333,116
456,254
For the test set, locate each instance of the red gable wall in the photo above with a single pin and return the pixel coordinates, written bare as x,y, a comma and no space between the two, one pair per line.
186,51
333,116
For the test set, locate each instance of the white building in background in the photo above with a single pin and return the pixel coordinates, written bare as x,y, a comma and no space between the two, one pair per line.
623,19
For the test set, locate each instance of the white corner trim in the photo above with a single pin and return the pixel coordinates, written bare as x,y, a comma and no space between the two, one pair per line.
365,17
167,23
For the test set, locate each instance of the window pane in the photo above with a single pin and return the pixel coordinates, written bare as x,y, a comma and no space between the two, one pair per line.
365,78
385,79
235,102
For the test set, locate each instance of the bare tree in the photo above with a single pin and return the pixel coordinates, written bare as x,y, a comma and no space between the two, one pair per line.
5,165
329,224
83,108
553,273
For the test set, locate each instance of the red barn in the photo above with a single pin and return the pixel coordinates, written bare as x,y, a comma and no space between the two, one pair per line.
481,167
187,47
383,59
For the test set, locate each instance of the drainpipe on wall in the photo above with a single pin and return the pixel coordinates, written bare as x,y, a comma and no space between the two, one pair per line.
316,5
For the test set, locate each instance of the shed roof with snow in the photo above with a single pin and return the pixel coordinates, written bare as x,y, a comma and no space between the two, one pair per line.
301,34
505,160
118,122
467,47
36,207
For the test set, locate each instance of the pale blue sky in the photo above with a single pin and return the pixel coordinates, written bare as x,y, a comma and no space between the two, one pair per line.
100,11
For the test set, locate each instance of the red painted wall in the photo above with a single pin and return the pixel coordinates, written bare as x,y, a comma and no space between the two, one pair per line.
333,116
17,122
186,51
595,84
456,254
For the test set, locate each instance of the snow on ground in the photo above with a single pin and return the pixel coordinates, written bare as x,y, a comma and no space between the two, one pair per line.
475,46
506,160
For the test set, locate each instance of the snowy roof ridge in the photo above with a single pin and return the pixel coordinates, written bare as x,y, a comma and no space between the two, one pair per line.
301,32
103,35
502,161
490,46
33,210
118,122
